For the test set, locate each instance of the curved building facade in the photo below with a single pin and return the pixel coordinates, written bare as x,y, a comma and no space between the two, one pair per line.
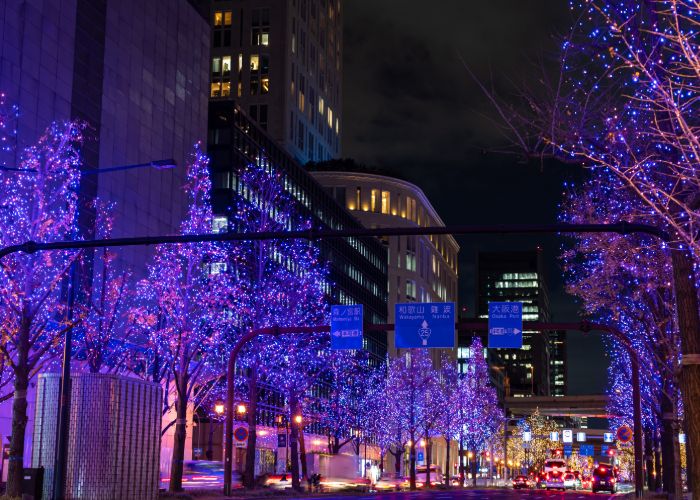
420,268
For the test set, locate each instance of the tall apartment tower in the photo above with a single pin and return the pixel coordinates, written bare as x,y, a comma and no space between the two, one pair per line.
281,62
539,367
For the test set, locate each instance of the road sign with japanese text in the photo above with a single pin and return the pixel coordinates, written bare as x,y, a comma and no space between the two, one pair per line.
346,327
506,325
425,325
586,450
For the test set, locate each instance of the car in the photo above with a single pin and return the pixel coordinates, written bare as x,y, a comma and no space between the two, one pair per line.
571,482
521,482
604,479
586,482
554,481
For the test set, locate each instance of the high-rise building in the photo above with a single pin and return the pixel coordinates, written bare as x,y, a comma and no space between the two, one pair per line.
420,268
358,267
519,277
140,85
281,62
136,72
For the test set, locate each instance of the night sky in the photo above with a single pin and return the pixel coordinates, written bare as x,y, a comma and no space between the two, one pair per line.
409,105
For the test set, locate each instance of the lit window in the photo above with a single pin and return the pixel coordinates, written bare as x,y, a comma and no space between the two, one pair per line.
337,126
374,200
225,89
265,85
321,104
254,62
216,65
227,18
216,89
240,62
226,65
358,197
218,18
330,117
386,202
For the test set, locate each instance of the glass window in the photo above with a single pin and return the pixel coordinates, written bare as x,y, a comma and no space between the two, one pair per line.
227,18
374,200
358,197
218,18
215,89
330,117
265,85
216,65
321,103
226,65
386,202
225,89
254,62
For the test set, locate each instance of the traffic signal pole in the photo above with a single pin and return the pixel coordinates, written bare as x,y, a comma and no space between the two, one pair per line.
684,286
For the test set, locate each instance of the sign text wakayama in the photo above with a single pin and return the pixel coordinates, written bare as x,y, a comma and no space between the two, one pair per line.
425,325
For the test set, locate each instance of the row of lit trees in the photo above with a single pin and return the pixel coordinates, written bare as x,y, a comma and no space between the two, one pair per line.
623,103
175,326
420,402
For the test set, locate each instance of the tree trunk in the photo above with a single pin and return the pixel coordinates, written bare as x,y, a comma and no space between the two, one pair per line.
302,452
689,326
249,473
398,455
412,463
462,472
474,468
428,460
19,427
649,457
657,464
178,460
293,445
448,469
381,463
668,463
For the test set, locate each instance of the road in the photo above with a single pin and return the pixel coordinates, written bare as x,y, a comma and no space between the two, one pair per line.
459,494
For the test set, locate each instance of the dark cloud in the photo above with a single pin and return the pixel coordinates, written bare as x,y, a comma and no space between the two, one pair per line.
411,106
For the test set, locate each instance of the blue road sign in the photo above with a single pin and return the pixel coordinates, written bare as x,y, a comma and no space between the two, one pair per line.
421,457
568,450
281,440
425,325
506,325
346,327
608,437
604,450
586,450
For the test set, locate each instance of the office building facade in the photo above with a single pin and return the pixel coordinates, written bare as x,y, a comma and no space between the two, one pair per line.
136,72
281,62
538,368
420,268
358,269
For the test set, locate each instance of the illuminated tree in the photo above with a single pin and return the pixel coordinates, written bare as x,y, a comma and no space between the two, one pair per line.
39,202
449,423
275,282
626,281
625,102
409,379
189,291
104,330
482,414
533,453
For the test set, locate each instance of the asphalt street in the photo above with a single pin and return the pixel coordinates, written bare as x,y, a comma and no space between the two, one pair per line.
458,494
